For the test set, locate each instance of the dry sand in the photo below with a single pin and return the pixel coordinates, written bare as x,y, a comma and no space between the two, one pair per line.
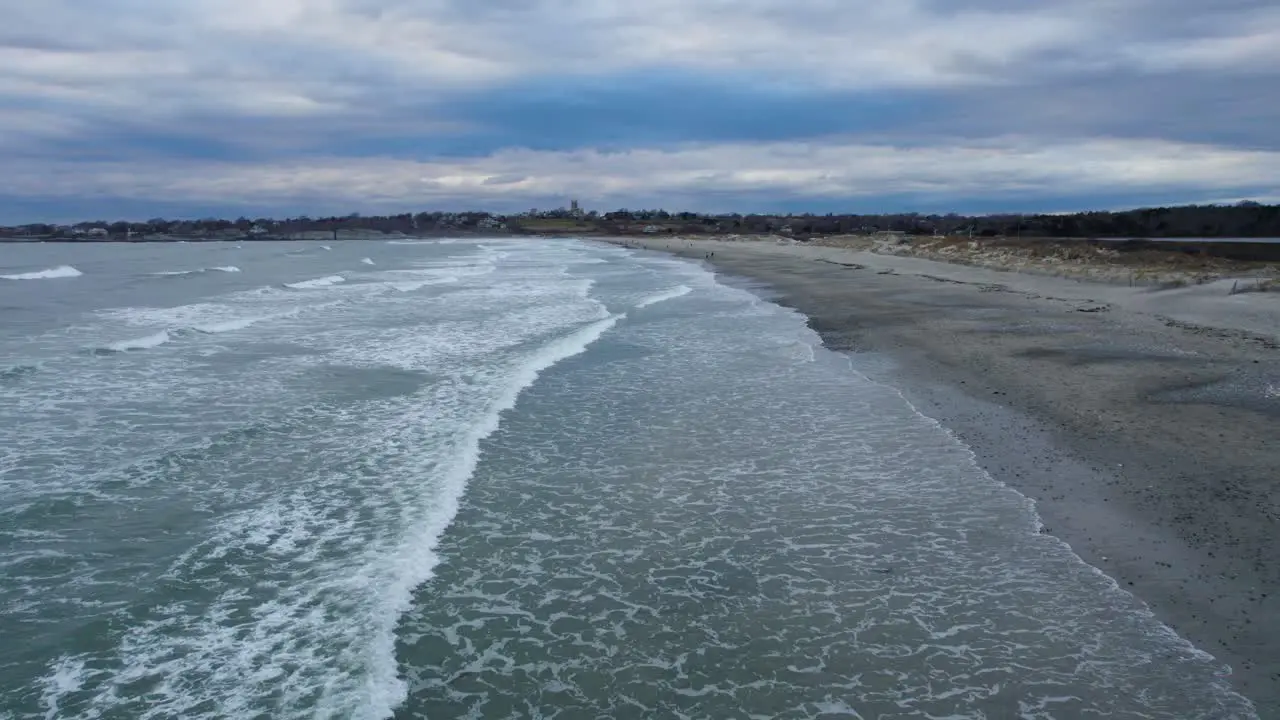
1145,424
1132,263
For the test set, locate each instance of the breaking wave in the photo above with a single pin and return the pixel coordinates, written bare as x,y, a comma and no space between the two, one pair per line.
664,296
231,325
62,271
316,283
145,342
199,271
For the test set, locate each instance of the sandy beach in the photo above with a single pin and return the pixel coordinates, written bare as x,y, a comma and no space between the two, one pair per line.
1145,423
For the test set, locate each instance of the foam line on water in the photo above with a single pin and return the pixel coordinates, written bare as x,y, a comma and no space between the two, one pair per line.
204,318
142,343
316,283
469,268
324,556
664,296
416,559
167,335
213,328
411,286
65,678
367,261
198,271
1034,524
62,271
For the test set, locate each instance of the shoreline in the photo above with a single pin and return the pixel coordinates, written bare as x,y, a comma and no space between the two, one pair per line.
1142,424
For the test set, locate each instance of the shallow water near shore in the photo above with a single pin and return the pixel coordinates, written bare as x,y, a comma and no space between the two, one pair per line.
509,478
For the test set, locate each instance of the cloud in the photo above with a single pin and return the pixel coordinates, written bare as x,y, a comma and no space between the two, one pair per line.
547,91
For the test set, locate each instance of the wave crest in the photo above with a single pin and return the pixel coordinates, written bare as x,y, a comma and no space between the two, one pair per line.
316,283
199,271
671,294
62,271
145,342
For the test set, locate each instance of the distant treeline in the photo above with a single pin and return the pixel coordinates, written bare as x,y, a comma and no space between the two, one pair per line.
1244,220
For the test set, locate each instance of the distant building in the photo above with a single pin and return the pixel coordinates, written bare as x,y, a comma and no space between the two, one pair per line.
97,232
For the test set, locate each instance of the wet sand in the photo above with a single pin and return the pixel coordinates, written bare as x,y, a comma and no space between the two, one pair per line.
1146,426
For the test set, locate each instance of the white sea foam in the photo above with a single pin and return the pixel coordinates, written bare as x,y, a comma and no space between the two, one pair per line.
209,318
62,271
65,677
367,261
671,294
316,283
225,269
212,328
142,343
325,247
335,549
294,589
416,559
325,642
405,287
189,315
482,267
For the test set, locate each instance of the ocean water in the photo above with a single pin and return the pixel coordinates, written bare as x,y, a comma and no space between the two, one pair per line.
508,479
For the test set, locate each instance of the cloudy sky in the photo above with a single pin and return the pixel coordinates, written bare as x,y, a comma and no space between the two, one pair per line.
137,108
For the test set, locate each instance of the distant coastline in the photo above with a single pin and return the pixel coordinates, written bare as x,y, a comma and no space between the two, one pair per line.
1164,262
357,236
1175,246
1242,222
